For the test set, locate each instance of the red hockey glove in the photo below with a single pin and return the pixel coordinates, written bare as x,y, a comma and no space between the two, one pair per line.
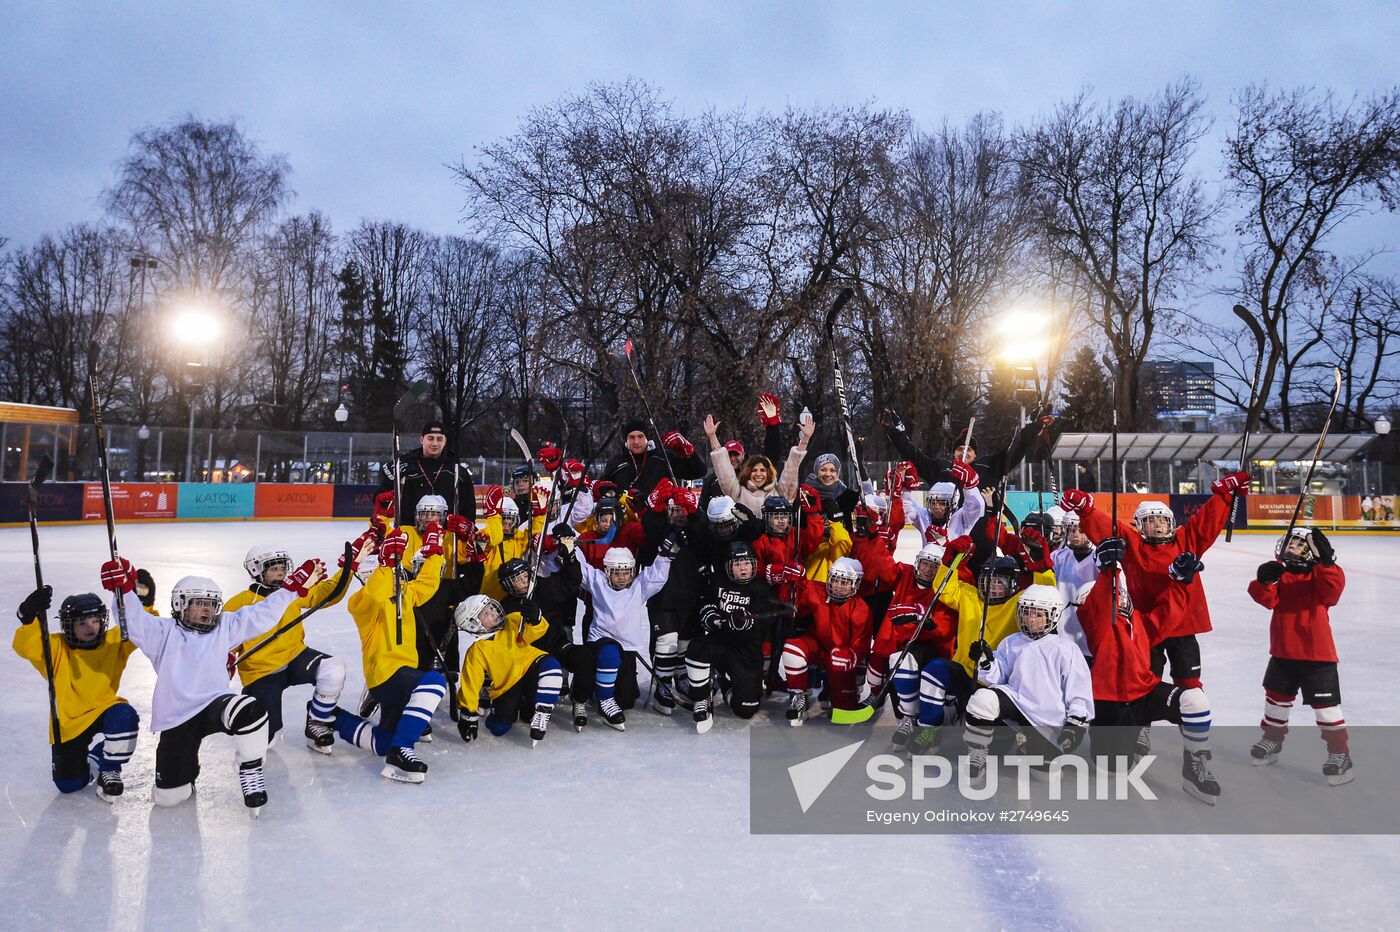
432,541
809,500
459,526
492,503
119,575
1076,500
550,456
686,499
574,473
965,475
677,444
384,506
603,488
1037,550
768,410
660,495
954,547
391,551
1234,482
304,577
843,659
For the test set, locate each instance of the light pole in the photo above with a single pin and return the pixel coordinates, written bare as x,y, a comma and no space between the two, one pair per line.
1026,339
342,414
1382,428
194,326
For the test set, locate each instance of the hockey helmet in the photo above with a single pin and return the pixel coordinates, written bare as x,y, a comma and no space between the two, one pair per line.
1038,611
263,557
479,615
74,611
196,601
843,579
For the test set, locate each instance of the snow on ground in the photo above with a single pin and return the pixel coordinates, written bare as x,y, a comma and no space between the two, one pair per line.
606,830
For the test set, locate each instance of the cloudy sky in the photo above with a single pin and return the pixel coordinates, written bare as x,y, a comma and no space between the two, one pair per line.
368,101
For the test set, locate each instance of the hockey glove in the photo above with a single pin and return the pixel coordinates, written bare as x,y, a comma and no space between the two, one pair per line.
1076,500
384,506
37,601
1269,573
304,577
980,653
660,495
145,588
843,659
675,442
686,499
1323,548
550,456
809,500
118,575
1109,553
954,547
712,619
391,551
964,475
1071,734
768,409
1234,482
1185,567
459,526
672,543
574,472
432,541
467,725
1037,550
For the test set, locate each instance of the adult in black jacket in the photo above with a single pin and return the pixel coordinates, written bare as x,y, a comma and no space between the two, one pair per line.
431,470
638,467
990,469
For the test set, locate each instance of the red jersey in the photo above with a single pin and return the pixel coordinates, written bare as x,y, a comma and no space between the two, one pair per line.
771,550
593,548
844,624
1147,564
1301,628
910,598
1122,647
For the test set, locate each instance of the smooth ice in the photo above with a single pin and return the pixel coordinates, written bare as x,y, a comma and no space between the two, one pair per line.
643,829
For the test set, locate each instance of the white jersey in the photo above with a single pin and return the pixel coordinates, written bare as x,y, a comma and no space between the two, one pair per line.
1046,677
1071,574
621,614
192,668
959,524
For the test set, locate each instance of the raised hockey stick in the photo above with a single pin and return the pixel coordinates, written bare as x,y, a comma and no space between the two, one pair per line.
1317,452
106,481
1113,500
588,468
632,367
342,581
865,712
398,564
1252,416
41,475
839,378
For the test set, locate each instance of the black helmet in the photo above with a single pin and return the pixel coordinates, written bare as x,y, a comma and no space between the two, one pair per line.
509,570
1042,522
523,472
775,506
77,607
1003,573
740,553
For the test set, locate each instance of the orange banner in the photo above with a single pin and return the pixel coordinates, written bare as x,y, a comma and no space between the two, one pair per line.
132,501
288,500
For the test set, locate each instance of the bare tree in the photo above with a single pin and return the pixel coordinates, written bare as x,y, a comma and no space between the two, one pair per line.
1300,164
393,260
1116,199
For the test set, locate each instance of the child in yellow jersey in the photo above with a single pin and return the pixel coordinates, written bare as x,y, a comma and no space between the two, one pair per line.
406,696
266,672
1000,581
88,659
507,661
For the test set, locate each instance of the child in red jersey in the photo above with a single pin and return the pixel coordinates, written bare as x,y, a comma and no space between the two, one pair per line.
1300,586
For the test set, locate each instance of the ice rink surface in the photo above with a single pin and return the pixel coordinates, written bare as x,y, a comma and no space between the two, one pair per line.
643,829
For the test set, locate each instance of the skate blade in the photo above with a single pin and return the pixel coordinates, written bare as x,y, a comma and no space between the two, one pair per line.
1341,779
256,813
579,727
706,725
313,746
102,795
662,709
1265,761
796,722
615,726
1195,791
535,742
390,772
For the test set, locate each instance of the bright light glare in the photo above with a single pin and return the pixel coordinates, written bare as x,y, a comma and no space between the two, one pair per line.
195,325
1023,322
1025,335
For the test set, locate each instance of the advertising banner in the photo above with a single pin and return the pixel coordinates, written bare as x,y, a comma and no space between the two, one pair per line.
207,500
289,500
353,501
132,501
58,501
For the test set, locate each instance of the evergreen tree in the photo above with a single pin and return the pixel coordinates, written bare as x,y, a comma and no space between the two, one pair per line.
1087,394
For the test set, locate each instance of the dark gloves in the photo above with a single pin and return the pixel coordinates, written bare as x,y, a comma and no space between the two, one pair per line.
1323,548
1185,567
145,588
1109,553
1269,573
1072,733
467,725
34,604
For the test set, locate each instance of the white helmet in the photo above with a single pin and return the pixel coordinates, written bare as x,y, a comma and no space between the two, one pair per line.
1057,517
262,556
431,505
1039,603
510,510
1154,509
196,588
619,562
930,552
944,493
849,573
720,509
878,504
479,614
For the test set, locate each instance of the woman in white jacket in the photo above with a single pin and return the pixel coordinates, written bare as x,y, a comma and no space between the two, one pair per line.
757,478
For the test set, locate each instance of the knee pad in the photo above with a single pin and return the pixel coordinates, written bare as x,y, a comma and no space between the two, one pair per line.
549,682
120,725
909,664
245,719
668,644
985,704
71,784
171,795
330,677
1194,703
794,656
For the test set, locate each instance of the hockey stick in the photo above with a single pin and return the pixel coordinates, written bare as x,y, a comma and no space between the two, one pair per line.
341,583
1317,453
398,564
840,381
1251,417
866,712
573,498
41,475
106,481
1113,500
632,367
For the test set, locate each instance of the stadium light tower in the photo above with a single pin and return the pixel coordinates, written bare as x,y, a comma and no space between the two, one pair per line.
195,327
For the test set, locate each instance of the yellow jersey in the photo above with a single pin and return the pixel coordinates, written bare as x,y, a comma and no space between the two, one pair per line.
85,681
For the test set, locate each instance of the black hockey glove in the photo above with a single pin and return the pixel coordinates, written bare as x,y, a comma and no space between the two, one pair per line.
529,613
712,619
564,533
1323,548
1072,733
1109,553
1269,573
145,588
1185,567
980,653
37,601
672,543
467,725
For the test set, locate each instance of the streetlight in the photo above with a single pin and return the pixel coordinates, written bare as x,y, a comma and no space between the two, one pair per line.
195,326
342,414
1025,340
1382,428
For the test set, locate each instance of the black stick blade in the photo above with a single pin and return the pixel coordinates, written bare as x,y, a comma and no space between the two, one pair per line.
41,475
